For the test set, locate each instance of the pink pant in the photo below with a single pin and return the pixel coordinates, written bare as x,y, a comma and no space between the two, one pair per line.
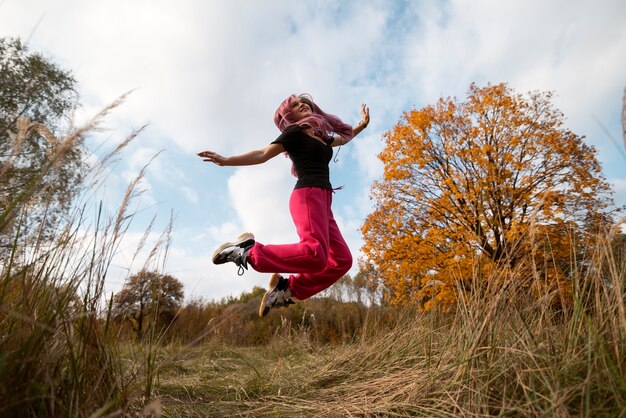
320,258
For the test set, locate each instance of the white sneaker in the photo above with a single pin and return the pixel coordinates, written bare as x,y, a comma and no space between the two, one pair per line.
236,251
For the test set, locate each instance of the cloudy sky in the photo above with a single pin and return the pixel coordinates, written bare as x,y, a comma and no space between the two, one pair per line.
208,75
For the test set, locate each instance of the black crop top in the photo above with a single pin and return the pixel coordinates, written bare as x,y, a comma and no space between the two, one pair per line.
310,157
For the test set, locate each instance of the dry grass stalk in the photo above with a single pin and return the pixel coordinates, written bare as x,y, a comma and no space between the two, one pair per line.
60,354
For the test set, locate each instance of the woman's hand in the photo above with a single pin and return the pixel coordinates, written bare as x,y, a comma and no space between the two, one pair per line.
365,115
212,157
365,120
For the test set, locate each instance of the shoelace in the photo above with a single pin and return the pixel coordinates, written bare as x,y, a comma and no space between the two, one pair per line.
237,257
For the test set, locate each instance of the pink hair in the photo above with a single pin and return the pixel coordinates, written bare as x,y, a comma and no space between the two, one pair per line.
322,123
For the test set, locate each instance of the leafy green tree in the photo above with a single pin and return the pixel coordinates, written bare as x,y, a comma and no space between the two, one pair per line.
148,296
39,96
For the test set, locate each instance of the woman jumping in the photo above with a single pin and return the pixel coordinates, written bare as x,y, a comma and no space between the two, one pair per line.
322,256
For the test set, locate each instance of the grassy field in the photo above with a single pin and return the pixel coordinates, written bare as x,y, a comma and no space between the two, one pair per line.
509,357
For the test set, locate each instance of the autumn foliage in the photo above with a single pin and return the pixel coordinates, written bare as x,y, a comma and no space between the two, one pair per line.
492,183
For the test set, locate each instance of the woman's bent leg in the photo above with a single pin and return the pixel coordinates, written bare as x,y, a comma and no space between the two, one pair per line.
310,212
339,262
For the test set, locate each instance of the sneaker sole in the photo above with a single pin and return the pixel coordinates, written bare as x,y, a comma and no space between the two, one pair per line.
274,280
243,240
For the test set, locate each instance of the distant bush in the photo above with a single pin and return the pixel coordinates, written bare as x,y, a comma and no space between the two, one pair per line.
235,320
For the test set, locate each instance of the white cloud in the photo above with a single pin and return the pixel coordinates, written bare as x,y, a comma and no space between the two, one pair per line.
575,49
260,198
366,149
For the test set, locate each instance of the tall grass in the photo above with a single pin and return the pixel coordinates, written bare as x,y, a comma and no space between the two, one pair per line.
509,354
59,353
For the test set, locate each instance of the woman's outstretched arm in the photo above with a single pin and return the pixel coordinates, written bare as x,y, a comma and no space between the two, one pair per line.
357,129
249,158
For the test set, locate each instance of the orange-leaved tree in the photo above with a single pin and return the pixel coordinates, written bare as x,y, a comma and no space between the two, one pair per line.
466,182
